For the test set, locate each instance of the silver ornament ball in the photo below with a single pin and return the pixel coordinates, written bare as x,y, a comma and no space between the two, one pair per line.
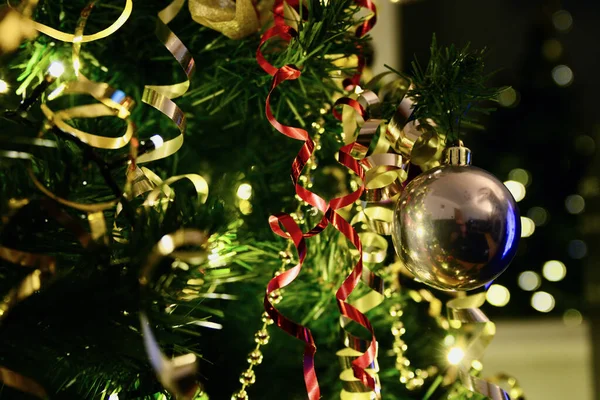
456,227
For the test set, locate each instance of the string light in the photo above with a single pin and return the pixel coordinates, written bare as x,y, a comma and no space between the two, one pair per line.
158,141
455,355
56,69
517,189
554,270
244,191
529,281
113,396
3,86
543,302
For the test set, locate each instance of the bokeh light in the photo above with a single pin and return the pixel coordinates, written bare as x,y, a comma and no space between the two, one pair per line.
562,75
508,97
575,204
113,396
552,49
517,189
497,295
577,249
562,20
245,207
543,302
3,86
449,340
554,270
520,175
456,355
572,317
538,215
56,69
527,227
244,191
529,280
585,145
589,186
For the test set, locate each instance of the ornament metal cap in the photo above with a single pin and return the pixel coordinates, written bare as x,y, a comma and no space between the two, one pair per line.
457,155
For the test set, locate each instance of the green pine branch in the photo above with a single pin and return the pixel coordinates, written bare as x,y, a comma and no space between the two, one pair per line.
451,88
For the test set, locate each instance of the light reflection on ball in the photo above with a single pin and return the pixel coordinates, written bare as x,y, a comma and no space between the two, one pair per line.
456,227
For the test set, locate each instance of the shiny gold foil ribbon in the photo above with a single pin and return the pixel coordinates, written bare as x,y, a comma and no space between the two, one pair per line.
235,19
161,96
75,38
177,375
475,331
112,102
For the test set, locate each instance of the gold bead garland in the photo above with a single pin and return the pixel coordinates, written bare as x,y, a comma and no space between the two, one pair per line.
261,337
414,378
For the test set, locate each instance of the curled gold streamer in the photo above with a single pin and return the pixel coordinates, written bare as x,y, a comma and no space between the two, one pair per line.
463,314
161,97
76,38
177,375
113,102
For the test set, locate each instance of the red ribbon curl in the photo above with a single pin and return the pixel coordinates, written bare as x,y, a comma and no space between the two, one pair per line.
329,209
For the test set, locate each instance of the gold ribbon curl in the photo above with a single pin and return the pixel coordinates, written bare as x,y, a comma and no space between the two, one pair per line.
476,332
76,38
161,96
112,102
177,375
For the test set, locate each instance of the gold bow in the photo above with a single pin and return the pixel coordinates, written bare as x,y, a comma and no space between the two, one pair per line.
234,19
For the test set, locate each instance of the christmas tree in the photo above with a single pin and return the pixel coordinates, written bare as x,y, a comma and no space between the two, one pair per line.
144,153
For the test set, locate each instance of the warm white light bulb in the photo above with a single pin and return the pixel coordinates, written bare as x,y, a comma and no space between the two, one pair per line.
3,86
158,141
456,355
56,69
244,191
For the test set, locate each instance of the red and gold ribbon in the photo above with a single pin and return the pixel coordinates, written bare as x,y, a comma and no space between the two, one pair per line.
330,216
